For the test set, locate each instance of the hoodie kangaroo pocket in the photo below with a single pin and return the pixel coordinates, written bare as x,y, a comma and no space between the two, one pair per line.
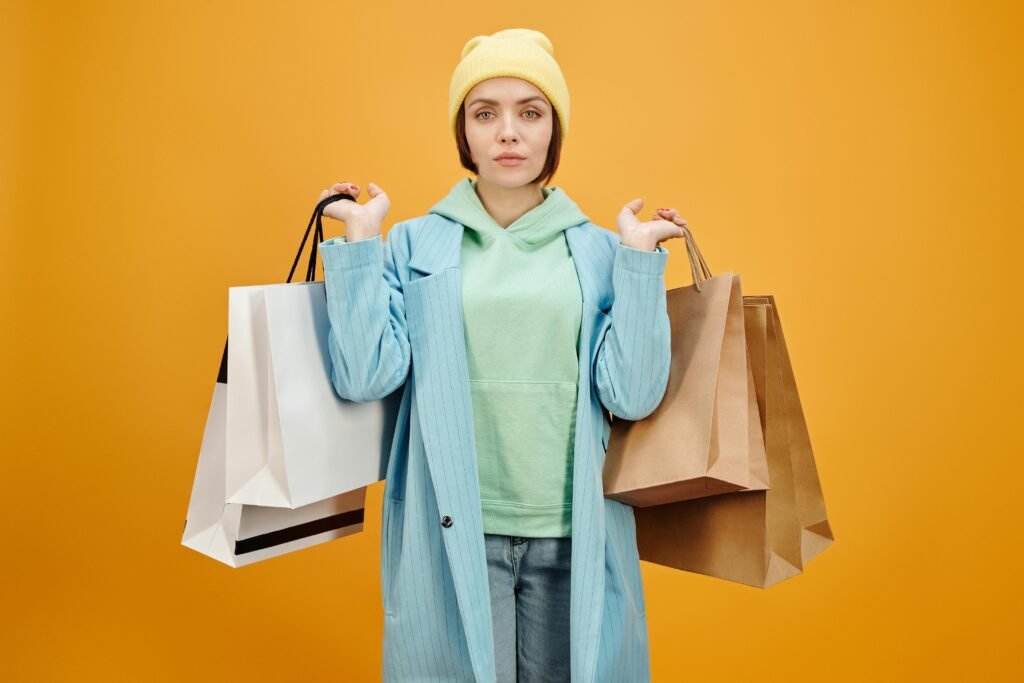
524,437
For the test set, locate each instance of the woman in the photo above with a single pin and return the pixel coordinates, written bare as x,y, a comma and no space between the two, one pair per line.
511,322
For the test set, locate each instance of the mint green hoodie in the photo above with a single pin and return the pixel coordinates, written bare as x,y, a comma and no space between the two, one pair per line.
522,308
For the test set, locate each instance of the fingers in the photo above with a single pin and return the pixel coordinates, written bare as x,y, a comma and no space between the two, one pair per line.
347,188
671,215
340,188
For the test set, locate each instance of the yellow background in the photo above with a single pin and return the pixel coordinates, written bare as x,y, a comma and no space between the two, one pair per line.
860,161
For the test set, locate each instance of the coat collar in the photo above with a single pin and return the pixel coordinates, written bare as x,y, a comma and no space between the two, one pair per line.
438,245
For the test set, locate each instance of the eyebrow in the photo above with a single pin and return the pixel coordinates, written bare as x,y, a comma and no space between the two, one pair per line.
495,102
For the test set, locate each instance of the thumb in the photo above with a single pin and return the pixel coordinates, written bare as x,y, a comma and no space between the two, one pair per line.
374,189
628,214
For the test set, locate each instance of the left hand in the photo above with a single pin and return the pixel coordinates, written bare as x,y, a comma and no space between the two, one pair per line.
664,225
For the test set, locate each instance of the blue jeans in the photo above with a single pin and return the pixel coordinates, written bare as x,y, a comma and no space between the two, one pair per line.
529,583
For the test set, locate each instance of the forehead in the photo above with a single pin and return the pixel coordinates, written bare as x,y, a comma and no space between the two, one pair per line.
505,90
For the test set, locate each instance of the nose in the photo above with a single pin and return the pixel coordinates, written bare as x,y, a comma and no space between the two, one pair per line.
508,132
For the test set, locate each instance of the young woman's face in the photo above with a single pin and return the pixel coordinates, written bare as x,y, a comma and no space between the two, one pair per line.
508,115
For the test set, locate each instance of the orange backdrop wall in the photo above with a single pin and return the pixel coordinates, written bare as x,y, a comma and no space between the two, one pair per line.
860,161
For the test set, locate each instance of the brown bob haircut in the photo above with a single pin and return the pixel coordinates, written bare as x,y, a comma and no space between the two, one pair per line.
550,164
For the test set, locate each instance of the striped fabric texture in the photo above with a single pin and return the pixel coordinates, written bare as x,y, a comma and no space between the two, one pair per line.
396,324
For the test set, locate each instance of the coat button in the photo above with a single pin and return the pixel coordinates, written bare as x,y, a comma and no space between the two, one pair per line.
446,521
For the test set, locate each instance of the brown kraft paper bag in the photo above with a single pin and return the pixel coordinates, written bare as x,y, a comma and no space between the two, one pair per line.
756,537
696,443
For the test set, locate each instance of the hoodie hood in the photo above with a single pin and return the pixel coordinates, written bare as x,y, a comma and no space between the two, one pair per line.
536,227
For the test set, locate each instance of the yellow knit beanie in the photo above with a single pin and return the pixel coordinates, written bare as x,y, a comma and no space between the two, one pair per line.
516,52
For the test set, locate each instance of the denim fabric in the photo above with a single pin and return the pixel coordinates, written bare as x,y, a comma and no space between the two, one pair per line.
530,589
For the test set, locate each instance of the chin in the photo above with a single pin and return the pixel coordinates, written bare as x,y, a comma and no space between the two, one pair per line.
511,176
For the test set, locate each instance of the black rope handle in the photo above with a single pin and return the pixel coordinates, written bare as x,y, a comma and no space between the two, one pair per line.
318,236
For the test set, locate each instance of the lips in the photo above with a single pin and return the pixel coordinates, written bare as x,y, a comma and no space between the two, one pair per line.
509,156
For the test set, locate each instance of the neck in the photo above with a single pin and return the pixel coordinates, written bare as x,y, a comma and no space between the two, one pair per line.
507,204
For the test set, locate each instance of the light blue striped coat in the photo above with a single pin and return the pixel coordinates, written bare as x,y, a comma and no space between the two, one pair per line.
396,322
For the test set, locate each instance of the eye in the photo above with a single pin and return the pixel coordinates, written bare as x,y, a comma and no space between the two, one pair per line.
533,111
482,112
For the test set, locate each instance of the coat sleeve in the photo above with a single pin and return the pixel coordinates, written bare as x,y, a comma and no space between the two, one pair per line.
633,357
368,337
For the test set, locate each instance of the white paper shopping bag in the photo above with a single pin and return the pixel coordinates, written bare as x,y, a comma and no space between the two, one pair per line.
291,440
237,534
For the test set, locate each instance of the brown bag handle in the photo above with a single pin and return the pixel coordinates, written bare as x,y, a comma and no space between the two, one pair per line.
698,266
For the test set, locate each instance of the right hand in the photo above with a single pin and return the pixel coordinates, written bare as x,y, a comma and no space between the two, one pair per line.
362,221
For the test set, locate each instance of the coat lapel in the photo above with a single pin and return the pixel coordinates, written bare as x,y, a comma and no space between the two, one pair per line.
592,259
440,378
440,385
